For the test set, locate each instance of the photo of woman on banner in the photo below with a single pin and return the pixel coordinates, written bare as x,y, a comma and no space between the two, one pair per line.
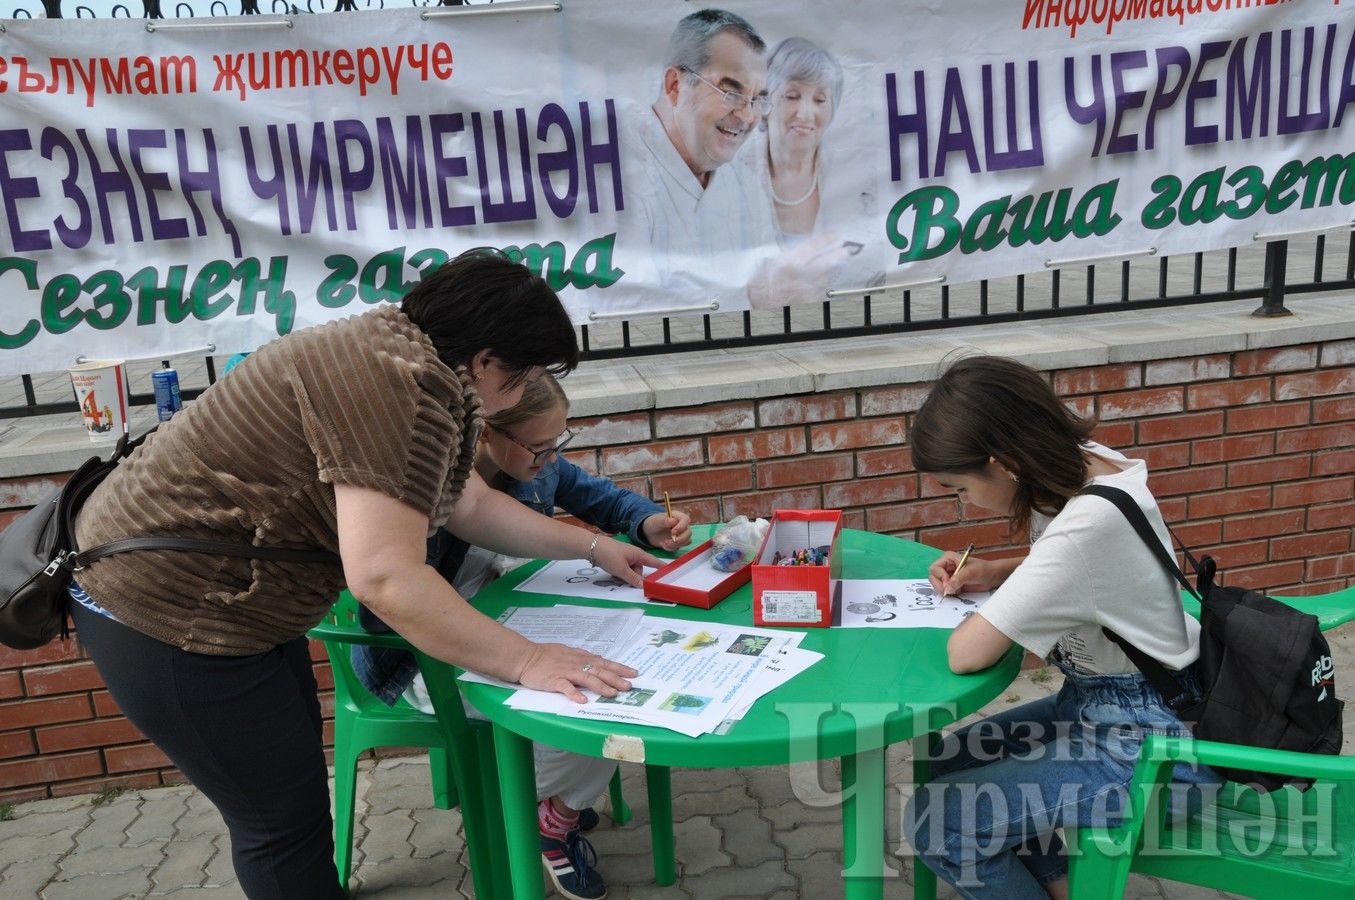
697,228
804,84
819,197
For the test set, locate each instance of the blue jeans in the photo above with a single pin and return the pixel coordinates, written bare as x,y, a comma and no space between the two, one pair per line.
985,822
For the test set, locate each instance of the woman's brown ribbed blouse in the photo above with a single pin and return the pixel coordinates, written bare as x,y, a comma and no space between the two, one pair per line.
362,401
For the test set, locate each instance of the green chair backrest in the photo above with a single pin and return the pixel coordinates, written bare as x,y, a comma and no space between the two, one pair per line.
1263,845
1332,609
340,630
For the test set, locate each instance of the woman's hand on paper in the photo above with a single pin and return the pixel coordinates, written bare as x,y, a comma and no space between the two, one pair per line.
564,670
978,574
625,561
669,533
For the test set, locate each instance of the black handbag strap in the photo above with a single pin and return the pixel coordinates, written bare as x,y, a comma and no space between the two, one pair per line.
1158,675
85,481
217,548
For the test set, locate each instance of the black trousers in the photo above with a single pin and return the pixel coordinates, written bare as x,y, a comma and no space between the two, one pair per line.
246,731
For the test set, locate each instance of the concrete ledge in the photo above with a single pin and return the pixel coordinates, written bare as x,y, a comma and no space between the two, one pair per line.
596,389
42,445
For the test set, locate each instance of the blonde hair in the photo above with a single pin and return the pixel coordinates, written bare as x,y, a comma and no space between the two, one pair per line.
539,398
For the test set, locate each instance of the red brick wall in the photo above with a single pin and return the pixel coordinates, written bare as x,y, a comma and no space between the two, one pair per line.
1253,454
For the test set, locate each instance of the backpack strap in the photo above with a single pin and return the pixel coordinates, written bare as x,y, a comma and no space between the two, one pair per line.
1139,522
1158,675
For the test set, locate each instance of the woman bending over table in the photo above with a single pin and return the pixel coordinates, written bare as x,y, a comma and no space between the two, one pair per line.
358,437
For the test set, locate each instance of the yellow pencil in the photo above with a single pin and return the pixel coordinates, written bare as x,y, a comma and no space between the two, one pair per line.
667,505
964,557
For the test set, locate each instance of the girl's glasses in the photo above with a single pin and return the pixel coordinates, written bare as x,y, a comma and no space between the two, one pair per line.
539,457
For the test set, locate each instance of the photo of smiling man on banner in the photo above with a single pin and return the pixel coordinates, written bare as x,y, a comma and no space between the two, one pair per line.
704,228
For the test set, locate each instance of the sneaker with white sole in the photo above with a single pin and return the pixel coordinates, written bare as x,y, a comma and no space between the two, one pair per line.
570,864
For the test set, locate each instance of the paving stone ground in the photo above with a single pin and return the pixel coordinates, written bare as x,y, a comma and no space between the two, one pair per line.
740,833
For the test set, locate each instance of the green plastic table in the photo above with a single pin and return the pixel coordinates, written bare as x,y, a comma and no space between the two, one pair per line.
874,688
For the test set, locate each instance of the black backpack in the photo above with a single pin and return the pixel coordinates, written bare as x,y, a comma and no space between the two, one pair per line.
1265,669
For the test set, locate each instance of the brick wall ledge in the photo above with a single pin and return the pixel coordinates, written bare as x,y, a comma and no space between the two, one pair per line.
42,445
691,379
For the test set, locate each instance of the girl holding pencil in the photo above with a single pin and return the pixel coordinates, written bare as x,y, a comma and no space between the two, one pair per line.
519,454
994,431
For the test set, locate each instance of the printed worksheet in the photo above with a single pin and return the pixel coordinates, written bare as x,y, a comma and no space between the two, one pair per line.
600,631
693,675
575,578
884,603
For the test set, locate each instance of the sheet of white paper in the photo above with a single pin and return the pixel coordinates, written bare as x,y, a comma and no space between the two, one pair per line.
882,603
597,630
692,675
790,662
575,578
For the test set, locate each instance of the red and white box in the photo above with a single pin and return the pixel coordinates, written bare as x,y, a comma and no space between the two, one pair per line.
692,581
797,595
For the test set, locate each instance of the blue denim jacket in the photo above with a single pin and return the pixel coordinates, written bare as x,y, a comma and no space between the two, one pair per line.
590,498
586,496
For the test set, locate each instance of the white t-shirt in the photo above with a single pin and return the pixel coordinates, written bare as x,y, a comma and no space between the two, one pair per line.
1088,568
683,243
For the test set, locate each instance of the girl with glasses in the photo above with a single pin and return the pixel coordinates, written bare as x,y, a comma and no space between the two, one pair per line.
519,454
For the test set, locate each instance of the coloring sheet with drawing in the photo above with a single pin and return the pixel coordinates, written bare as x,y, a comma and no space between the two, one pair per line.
575,578
885,603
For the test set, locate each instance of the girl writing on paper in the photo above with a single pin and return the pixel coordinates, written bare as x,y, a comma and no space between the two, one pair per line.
357,437
519,454
994,431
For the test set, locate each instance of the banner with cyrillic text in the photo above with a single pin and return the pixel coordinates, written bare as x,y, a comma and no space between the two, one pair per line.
163,187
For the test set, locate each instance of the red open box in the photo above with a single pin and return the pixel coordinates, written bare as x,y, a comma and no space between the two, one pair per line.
692,581
797,595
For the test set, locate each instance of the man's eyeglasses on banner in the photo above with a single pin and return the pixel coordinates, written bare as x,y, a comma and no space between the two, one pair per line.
734,101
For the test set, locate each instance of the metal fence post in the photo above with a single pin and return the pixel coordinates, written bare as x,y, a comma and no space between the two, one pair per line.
1277,253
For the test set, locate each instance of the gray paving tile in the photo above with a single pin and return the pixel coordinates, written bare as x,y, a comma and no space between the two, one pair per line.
757,881
108,886
39,843
698,840
111,859
27,877
157,818
820,874
748,837
186,866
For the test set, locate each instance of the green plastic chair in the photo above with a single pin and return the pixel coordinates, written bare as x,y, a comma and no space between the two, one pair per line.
1336,608
460,749
460,771
1282,845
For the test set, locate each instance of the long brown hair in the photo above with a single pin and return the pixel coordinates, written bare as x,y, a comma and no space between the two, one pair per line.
989,407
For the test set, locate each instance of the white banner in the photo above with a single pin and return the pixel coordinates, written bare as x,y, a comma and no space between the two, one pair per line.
162,187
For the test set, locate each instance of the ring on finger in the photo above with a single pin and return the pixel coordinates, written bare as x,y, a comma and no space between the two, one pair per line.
588,667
